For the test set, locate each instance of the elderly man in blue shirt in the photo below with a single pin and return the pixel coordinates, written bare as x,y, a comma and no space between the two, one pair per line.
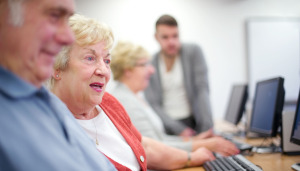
37,131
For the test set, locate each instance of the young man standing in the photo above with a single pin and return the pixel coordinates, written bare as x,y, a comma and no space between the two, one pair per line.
179,90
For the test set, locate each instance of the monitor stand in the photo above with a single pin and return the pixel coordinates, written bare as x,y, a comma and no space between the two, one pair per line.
250,134
296,166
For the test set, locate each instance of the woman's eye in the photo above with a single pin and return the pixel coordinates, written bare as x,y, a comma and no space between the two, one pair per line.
107,61
90,58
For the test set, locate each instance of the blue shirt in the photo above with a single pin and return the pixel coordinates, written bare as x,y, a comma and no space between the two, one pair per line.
38,132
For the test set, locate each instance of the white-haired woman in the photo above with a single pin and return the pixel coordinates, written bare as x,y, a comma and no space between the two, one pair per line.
82,72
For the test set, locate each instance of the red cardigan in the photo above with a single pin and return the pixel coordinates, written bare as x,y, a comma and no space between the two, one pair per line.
119,117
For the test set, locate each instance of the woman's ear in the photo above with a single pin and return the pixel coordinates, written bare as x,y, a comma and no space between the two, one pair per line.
56,75
127,73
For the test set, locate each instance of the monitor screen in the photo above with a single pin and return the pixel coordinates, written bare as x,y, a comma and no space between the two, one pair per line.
295,136
267,106
237,102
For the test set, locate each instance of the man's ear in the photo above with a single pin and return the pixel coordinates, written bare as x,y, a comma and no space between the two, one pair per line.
56,75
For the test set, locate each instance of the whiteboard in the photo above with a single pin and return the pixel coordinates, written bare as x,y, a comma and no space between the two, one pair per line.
273,46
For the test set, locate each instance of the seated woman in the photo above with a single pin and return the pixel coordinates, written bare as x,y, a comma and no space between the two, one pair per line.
131,69
82,72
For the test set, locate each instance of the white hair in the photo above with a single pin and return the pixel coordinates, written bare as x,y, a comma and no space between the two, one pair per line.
16,11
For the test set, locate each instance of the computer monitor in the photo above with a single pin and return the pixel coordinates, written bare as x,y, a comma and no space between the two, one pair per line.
267,107
236,104
295,133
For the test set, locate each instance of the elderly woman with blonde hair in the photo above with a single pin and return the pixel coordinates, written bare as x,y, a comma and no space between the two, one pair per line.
132,70
82,72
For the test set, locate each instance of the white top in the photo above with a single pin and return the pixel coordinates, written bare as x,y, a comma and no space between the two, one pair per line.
110,141
175,102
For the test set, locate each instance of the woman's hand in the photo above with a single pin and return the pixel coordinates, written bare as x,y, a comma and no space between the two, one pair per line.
221,146
200,156
207,134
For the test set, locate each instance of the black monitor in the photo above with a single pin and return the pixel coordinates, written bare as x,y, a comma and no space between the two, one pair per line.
267,107
237,103
295,136
295,133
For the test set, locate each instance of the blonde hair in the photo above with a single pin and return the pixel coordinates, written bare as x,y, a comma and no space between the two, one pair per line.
87,31
124,56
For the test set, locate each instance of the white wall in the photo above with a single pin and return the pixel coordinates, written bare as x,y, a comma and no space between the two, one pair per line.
273,50
218,26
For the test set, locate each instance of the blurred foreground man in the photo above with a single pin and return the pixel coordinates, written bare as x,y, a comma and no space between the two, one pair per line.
37,131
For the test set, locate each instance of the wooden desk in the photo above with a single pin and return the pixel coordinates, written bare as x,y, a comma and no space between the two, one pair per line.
268,162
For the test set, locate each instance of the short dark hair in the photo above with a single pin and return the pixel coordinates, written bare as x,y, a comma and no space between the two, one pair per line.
166,20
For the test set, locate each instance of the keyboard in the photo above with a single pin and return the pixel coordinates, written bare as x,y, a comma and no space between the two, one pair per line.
241,145
231,163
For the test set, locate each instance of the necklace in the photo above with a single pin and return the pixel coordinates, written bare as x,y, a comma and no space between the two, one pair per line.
96,132
95,115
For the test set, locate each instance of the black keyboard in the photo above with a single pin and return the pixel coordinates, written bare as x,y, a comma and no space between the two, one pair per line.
231,163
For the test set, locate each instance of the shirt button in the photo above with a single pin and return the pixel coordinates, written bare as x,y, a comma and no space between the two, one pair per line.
142,159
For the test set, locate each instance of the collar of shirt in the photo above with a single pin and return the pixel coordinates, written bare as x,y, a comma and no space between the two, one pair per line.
14,87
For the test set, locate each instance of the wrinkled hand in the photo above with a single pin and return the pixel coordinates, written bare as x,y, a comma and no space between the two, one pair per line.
200,156
221,146
188,132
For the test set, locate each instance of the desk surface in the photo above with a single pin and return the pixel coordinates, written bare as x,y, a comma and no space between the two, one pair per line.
268,162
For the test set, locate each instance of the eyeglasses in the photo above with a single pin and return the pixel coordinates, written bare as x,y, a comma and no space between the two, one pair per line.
143,64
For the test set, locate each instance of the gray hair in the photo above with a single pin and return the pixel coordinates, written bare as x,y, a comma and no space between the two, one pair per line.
15,11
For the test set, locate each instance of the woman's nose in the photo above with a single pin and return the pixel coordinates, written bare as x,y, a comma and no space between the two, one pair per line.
102,69
151,69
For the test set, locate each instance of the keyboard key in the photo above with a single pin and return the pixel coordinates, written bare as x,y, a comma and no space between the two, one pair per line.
215,165
208,166
228,165
221,165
